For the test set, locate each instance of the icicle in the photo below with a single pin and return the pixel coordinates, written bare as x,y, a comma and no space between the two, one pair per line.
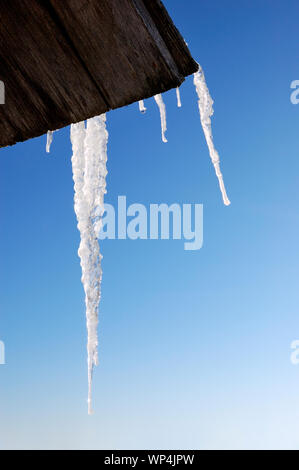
162,108
89,174
178,96
142,108
49,140
205,105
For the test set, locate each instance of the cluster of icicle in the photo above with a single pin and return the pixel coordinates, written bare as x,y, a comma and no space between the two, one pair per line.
89,173
89,144
205,105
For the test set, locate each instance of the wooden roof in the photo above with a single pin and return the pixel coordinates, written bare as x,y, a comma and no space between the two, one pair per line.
64,61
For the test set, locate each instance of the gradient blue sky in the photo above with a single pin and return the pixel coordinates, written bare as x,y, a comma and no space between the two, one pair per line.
194,346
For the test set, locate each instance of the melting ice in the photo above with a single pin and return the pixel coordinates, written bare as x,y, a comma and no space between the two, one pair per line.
89,145
205,105
178,97
89,173
162,109
142,108
49,140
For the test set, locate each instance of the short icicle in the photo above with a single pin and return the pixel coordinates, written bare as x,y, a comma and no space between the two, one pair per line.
162,109
89,174
49,140
205,105
178,97
142,108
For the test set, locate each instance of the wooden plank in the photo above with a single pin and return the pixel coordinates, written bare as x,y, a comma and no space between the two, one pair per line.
40,71
170,34
63,62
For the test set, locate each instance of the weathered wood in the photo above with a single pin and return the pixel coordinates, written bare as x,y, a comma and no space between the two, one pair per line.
66,61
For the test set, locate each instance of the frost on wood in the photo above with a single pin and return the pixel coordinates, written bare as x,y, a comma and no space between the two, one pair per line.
178,97
49,140
205,105
162,109
89,173
142,108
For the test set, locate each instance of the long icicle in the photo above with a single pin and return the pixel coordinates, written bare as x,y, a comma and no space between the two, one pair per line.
89,173
178,97
162,109
205,105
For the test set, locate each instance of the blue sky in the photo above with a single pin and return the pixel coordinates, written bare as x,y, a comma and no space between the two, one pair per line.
194,346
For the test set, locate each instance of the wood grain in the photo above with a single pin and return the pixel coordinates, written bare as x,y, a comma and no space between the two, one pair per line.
66,61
